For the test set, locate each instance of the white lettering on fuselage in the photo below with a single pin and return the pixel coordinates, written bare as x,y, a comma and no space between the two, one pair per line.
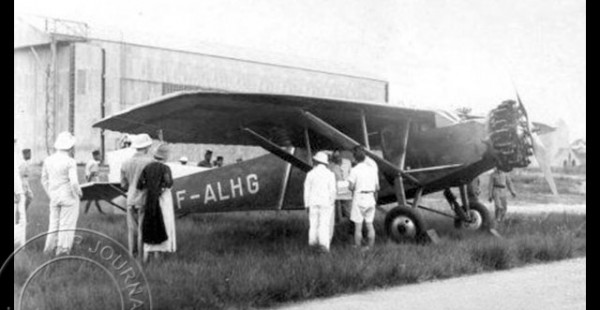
236,186
180,197
252,181
220,191
209,194
226,190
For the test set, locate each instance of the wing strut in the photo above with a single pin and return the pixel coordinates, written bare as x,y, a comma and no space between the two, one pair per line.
307,144
398,182
365,131
278,151
346,142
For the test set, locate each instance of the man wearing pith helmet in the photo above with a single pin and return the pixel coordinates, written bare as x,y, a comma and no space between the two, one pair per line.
59,179
136,199
319,197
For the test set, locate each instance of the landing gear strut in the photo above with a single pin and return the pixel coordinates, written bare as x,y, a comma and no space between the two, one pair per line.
475,217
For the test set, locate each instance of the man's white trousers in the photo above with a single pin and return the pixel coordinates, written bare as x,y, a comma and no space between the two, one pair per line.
63,221
320,230
20,223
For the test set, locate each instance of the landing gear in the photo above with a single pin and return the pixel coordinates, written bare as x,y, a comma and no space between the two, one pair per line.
404,224
479,218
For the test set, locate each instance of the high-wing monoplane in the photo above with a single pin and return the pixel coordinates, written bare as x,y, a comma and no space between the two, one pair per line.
415,155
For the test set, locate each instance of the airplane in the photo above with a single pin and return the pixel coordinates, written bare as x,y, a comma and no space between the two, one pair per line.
414,154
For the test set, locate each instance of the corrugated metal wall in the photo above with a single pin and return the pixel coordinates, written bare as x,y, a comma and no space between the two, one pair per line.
32,94
135,74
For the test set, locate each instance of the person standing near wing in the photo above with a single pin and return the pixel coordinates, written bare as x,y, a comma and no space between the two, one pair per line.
130,174
344,196
92,174
158,227
364,182
25,171
319,197
206,163
499,183
59,179
20,218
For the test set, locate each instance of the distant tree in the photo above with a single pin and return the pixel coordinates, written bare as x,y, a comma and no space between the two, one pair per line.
464,112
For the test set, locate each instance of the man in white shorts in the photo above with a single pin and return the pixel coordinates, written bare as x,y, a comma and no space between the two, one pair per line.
364,182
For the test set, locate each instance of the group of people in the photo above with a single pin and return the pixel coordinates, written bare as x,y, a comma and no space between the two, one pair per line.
146,177
206,162
321,194
324,194
150,213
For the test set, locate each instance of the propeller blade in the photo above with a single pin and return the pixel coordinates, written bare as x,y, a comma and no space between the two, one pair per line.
523,107
541,155
539,150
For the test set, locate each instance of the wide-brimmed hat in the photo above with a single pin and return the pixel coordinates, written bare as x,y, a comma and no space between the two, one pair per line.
64,141
162,152
321,157
141,141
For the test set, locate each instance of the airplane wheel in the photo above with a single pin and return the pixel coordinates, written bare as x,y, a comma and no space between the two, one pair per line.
481,218
404,224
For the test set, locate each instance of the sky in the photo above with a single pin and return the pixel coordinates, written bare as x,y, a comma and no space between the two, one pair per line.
435,54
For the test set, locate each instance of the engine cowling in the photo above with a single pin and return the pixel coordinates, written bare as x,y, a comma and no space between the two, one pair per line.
510,136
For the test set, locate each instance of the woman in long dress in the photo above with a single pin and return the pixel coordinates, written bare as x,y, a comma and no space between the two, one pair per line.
158,226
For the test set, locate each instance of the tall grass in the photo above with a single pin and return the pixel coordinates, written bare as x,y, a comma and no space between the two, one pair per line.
261,259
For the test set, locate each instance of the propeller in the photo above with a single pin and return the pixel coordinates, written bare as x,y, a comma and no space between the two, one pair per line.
539,150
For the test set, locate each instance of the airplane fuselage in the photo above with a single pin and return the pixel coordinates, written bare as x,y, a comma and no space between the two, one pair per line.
269,183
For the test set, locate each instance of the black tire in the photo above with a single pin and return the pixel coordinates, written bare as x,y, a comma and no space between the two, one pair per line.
484,221
404,224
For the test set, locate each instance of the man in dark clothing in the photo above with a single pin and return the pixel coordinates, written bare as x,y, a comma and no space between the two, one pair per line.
206,163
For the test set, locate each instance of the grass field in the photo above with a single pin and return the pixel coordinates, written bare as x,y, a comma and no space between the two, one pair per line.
254,260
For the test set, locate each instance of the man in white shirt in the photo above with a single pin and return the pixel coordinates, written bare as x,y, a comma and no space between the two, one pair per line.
92,174
319,197
59,179
364,182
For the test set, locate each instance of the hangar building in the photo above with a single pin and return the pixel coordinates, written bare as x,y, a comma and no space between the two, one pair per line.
68,76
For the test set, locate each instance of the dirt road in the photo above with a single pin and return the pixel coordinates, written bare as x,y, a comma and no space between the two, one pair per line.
560,285
546,208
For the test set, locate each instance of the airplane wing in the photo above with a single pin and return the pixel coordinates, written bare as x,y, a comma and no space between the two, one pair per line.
218,118
101,191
